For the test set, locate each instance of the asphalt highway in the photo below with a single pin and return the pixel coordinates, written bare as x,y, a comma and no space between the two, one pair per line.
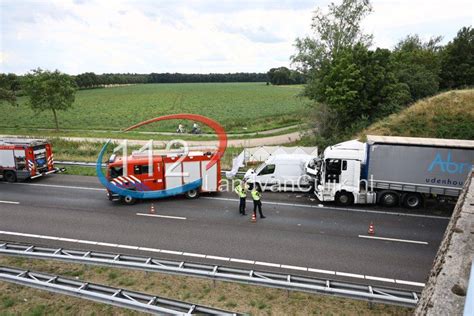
298,236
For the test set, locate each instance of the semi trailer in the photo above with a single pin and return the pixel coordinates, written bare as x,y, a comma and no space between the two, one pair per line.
392,170
26,158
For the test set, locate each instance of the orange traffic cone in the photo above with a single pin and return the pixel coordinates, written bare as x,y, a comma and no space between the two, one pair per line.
152,209
254,218
371,229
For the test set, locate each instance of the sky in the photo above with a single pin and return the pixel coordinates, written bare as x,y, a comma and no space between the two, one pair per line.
192,36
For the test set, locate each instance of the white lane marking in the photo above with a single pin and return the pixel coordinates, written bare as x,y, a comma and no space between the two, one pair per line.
59,186
322,271
334,208
395,239
161,216
218,258
368,277
284,266
410,283
351,275
171,252
268,264
80,241
128,247
242,261
149,249
10,202
191,254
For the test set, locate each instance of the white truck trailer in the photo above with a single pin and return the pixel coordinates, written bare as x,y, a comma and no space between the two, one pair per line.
392,170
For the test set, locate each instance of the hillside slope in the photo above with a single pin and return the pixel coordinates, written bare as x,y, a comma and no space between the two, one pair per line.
447,115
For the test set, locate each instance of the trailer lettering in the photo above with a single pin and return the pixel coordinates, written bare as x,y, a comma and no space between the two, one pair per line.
448,165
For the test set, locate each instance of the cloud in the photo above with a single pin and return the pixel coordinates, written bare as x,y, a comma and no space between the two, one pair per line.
143,36
257,34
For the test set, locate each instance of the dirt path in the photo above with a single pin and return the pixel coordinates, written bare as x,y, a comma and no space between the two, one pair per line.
265,132
251,142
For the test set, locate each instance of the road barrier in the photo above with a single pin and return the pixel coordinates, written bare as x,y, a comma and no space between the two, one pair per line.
216,272
93,165
105,294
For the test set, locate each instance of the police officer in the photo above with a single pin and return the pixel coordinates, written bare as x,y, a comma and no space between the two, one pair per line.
256,197
241,190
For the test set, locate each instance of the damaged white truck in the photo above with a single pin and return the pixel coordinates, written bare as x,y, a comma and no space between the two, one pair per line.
392,171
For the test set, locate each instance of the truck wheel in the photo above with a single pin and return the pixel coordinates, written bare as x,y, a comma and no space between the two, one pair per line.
192,194
10,176
344,198
389,199
129,200
413,200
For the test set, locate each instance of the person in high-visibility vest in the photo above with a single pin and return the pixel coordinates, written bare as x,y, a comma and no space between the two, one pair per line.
241,190
257,201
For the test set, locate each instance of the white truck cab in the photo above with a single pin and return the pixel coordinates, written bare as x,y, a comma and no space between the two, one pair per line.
337,174
282,173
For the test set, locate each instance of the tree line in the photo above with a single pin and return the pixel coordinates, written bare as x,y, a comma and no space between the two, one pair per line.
11,84
354,85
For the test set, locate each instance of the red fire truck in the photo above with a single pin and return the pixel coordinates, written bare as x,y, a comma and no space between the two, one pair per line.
169,170
25,158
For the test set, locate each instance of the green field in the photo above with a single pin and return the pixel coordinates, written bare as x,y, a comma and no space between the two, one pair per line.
239,107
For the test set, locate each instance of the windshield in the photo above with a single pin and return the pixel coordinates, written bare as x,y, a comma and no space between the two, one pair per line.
259,168
116,172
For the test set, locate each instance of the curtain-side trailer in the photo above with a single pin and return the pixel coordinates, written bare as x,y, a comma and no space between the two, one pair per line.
392,170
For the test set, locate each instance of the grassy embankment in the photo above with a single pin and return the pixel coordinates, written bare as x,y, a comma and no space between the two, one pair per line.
238,107
15,300
447,115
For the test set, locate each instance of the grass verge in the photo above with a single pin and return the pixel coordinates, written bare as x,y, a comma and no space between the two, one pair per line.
15,300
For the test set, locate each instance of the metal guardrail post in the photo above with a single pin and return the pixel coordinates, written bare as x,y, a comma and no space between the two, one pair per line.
469,304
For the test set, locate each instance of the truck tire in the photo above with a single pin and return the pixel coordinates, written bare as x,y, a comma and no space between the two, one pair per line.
412,200
9,176
344,198
192,194
128,200
389,199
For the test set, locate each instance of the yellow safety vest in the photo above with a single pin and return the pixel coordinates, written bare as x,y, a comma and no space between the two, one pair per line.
256,195
240,191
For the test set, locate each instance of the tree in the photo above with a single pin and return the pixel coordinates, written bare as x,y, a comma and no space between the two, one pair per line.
279,76
334,31
334,79
457,65
418,65
9,85
47,90
357,88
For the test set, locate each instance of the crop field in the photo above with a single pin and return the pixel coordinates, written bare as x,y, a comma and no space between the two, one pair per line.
239,107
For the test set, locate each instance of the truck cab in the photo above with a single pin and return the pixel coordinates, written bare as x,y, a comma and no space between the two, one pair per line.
337,174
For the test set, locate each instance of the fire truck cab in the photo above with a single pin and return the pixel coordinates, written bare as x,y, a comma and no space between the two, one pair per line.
25,158
169,170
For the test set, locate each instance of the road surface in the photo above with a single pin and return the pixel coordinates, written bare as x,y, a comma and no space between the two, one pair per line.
297,237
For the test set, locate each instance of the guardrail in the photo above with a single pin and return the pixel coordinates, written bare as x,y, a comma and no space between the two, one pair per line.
217,272
93,164
105,294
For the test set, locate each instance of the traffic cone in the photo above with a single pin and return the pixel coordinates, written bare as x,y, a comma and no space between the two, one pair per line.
152,209
254,218
371,229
